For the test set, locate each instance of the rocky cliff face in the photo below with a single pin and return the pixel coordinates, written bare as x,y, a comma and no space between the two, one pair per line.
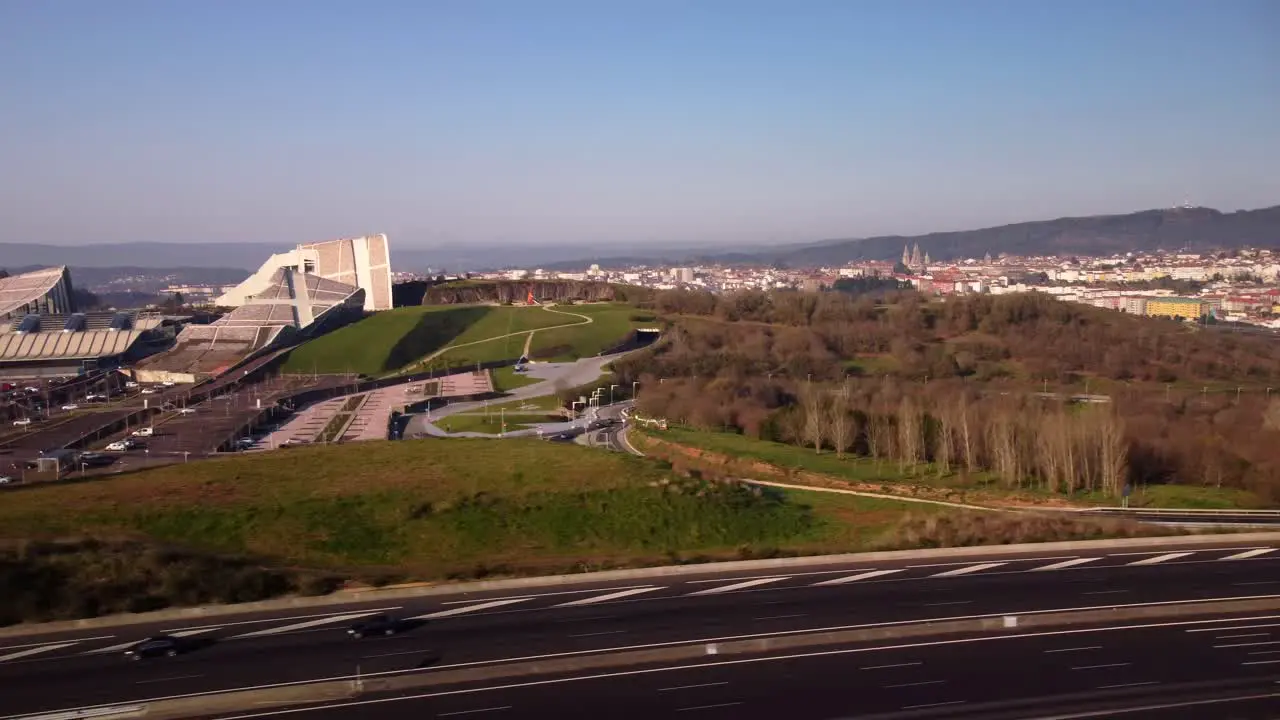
517,291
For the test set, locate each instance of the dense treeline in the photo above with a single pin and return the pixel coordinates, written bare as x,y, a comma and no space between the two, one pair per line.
1028,335
901,381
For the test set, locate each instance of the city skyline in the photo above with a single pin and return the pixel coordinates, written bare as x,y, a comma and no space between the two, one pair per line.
726,123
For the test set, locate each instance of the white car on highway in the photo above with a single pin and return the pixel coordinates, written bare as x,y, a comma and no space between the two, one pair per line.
22,422
120,445
187,411
144,432
71,406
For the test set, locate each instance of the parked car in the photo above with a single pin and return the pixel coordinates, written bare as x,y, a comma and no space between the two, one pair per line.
159,646
144,432
376,625
148,391
131,384
119,446
22,422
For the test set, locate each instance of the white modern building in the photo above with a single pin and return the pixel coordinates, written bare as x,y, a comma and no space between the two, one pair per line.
363,262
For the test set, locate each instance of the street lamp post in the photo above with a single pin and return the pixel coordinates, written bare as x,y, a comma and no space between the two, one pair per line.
611,387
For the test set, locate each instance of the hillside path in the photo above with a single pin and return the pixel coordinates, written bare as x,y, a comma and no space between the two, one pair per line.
586,320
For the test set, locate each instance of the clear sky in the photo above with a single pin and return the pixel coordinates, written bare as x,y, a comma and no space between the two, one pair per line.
665,121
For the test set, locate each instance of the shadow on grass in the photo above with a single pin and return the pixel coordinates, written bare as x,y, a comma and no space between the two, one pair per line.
433,331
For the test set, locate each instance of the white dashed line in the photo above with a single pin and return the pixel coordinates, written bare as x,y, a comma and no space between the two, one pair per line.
1248,554
971,569
1065,564
470,608
608,596
1160,558
739,586
855,578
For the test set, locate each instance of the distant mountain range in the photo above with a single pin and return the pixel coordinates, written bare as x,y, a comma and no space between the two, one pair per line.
1192,228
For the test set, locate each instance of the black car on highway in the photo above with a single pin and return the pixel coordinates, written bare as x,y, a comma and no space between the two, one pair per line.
159,646
377,625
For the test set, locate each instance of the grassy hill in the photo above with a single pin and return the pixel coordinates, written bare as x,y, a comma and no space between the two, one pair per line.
393,340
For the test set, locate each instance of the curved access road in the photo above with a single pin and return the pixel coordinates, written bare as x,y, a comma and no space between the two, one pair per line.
44,671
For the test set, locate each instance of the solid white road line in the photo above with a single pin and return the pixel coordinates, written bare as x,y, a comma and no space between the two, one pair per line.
470,608
1232,627
690,687
739,586
112,648
971,569
54,642
1240,635
472,712
859,576
916,684
1098,667
1261,662
167,679
1160,558
894,665
194,631
1125,685
609,596
1075,649
1065,564
708,707
932,705
175,631
302,625
1248,554
1149,708
35,651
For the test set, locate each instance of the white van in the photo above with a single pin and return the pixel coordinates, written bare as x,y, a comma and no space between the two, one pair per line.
144,432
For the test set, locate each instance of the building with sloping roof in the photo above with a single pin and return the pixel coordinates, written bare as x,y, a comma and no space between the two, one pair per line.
363,262
291,306
37,292
46,345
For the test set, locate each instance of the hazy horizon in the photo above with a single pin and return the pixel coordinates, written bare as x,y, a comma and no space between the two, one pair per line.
667,125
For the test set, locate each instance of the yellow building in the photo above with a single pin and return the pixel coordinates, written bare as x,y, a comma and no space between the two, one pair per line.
1177,307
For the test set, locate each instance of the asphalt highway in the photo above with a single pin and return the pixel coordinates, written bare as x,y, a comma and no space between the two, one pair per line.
51,671
1222,669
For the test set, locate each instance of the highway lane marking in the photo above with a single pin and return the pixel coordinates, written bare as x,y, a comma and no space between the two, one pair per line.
740,585
1149,708
1234,627
933,705
609,596
596,634
1261,662
1125,685
1256,582
1005,561
951,602
195,628
36,650
1241,635
708,581
112,648
1160,558
55,642
1248,554
915,684
859,576
1264,652
846,651
542,595
971,569
477,710
168,679
708,707
1104,592
1252,644
1099,667
1065,564
1192,552
306,624
778,617
1075,649
394,654
690,687
894,665
469,608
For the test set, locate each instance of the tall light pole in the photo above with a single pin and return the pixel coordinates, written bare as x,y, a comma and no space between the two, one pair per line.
611,387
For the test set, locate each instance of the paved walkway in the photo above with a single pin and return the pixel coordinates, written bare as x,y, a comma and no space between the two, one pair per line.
572,374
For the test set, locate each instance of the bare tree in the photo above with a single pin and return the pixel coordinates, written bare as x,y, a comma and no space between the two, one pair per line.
909,435
839,421
814,427
1113,453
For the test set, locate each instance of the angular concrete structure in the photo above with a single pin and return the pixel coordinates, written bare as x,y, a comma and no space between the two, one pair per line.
363,262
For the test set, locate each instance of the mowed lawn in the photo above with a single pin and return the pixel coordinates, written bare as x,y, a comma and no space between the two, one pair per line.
443,508
611,323
391,340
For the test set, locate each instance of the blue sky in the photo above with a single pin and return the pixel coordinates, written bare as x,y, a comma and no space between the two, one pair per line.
673,122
